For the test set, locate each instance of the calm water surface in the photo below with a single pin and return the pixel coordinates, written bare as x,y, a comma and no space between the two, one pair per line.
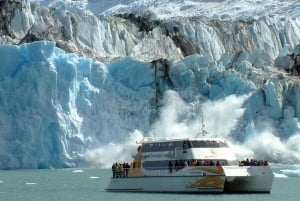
90,184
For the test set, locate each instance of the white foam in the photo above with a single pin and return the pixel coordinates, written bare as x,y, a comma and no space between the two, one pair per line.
291,172
277,175
110,153
94,177
77,171
30,183
178,120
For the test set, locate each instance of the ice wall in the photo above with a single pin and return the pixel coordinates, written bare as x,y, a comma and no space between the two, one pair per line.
54,106
57,106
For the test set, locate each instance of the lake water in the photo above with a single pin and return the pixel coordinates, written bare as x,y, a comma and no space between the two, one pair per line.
90,184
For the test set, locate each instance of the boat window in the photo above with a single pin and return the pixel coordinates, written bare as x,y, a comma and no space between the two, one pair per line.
171,145
208,144
161,146
155,165
177,164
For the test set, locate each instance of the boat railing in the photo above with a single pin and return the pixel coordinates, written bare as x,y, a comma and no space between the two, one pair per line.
152,139
162,171
157,171
165,168
136,172
175,171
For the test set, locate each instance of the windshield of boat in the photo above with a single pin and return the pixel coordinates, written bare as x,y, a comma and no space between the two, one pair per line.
171,145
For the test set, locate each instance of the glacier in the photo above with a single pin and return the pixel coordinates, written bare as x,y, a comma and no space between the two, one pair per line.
75,84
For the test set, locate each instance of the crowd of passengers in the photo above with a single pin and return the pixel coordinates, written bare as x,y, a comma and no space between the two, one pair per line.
120,169
253,162
247,162
196,163
181,164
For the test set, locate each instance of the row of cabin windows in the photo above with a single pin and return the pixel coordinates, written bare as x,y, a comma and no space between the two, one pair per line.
158,165
170,146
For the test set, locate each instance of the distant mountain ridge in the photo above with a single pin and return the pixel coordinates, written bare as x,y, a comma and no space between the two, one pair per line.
164,9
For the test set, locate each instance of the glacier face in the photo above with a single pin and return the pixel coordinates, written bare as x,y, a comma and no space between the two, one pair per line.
74,84
55,105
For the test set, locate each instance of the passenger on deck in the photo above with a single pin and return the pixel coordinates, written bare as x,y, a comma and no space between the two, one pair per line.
253,162
125,169
118,170
218,163
121,172
184,147
206,163
177,165
194,162
170,165
113,168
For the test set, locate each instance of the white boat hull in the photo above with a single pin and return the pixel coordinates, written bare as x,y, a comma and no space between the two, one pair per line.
176,184
248,184
190,166
248,179
251,179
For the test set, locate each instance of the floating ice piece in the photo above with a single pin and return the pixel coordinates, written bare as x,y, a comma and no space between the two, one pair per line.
77,171
94,177
291,172
277,175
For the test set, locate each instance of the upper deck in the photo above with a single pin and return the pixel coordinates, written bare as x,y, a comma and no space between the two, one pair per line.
170,145
185,149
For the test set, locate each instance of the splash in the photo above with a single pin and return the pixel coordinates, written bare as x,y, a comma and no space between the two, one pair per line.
108,154
291,171
269,147
179,119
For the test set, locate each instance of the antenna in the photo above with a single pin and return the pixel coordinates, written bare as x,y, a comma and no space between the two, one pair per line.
202,132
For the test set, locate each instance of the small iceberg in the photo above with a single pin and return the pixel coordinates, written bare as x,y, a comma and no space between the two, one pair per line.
277,175
94,177
77,171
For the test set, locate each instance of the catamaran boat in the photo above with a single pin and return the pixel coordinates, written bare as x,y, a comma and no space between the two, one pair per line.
202,165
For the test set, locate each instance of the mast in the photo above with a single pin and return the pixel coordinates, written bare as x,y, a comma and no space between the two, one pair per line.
202,131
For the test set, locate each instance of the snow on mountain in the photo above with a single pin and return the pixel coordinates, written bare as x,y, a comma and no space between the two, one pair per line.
240,9
74,85
164,9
